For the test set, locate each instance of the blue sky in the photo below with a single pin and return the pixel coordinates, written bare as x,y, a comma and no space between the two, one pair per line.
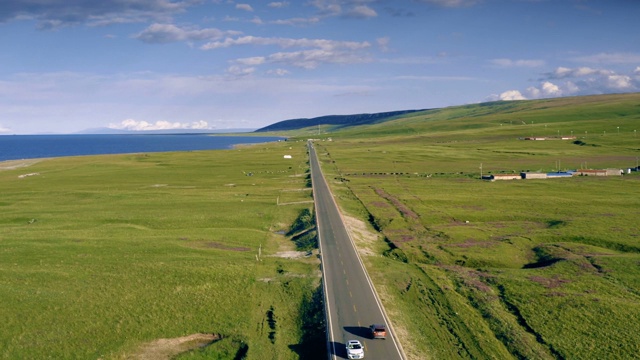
70,65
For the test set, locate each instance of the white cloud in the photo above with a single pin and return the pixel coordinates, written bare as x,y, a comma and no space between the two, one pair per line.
311,59
136,125
620,82
571,88
245,7
51,14
4,129
278,4
296,21
358,9
383,43
256,20
285,43
450,3
435,78
550,89
278,72
166,33
563,72
412,60
534,92
239,71
320,51
565,81
609,58
508,63
256,60
327,7
511,95
362,11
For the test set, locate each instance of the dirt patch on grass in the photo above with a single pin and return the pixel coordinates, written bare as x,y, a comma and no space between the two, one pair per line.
363,237
474,243
549,283
399,205
166,349
215,245
292,254
15,164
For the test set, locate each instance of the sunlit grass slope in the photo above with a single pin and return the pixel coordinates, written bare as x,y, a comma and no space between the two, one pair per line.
101,255
523,269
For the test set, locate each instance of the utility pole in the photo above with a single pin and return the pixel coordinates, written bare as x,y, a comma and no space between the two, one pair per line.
480,170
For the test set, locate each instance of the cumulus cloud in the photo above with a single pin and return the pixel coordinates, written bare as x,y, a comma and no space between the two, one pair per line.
51,14
141,125
621,82
564,81
550,89
511,95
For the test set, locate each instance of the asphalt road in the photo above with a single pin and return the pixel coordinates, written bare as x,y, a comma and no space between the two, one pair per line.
350,300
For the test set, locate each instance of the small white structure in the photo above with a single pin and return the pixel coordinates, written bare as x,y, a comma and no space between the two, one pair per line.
287,156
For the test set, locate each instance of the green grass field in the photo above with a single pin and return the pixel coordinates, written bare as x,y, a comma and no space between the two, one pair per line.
101,256
523,269
183,255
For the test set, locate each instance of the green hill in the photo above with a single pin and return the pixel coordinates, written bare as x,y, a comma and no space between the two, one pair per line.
335,121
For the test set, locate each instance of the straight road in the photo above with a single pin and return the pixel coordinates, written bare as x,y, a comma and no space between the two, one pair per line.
350,300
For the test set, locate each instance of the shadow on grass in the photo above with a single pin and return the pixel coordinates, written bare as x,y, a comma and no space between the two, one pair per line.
313,343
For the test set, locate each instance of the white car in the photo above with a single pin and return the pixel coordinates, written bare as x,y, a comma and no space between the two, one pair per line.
355,350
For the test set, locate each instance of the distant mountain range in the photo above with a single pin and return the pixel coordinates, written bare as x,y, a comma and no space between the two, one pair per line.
340,121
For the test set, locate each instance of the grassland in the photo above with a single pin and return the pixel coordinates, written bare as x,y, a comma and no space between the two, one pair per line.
149,255
522,269
121,256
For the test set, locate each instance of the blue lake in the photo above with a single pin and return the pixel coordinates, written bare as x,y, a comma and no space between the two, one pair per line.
15,147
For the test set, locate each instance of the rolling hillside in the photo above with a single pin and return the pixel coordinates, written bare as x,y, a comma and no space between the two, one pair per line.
336,121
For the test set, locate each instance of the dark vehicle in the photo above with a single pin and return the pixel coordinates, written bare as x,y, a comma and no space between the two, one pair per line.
378,331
